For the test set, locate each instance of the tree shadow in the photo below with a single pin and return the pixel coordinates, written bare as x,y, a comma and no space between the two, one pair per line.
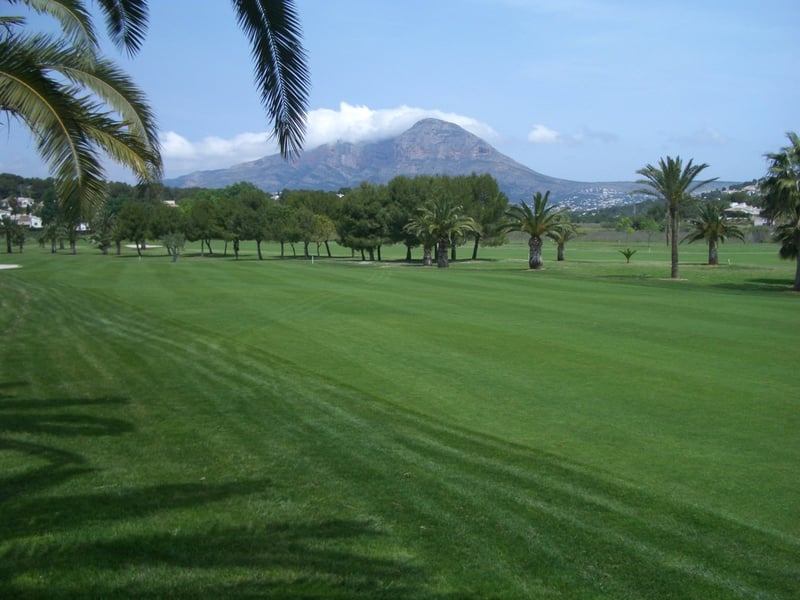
276,559
762,284
109,542
31,417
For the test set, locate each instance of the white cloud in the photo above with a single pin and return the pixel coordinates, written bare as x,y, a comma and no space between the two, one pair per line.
541,134
361,123
544,135
350,123
703,137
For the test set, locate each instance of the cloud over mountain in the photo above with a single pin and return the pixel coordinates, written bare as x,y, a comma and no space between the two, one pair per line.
350,123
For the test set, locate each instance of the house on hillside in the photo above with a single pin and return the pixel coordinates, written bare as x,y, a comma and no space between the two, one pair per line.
30,221
753,213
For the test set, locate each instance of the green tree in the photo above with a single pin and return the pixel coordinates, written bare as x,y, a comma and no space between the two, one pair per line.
673,183
781,202
251,213
537,220
487,206
10,229
134,220
405,196
712,226
173,242
304,221
52,232
323,232
362,219
650,227
203,220
625,225
102,226
281,224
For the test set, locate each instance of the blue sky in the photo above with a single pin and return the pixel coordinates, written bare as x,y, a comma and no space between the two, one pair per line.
588,90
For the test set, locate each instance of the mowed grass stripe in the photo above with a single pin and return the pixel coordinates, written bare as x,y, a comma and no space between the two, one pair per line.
650,377
289,442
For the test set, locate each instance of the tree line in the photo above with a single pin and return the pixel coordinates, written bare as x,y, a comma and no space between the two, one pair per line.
304,222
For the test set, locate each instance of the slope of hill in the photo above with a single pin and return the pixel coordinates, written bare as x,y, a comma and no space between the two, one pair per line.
430,147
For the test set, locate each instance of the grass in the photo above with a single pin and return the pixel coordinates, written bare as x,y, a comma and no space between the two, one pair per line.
216,428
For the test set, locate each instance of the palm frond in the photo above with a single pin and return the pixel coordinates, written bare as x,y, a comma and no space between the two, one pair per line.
117,90
712,226
280,67
68,123
72,15
126,22
537,219
671,181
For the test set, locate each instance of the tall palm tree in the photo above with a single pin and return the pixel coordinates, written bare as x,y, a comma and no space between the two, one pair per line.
441,220
782,200
79,105
673,183
713,227
537,220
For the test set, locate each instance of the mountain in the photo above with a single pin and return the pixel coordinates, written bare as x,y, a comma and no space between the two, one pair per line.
430,147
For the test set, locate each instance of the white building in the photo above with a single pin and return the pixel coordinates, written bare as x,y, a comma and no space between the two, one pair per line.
30,221
753,212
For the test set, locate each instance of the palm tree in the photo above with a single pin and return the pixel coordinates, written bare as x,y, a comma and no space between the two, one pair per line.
564,232
674,184
78,105
419,227
537,220
782,200
68,96
440,220
712,226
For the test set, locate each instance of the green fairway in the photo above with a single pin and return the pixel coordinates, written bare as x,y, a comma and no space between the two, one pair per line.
339,429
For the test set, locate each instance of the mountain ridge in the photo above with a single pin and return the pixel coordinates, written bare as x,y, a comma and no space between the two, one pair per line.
429,147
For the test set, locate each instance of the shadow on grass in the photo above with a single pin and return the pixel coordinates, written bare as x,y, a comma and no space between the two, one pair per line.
51,417
113,541
758,285
201,559
279,560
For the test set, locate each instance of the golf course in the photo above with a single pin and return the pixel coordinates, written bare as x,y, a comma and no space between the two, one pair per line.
343,429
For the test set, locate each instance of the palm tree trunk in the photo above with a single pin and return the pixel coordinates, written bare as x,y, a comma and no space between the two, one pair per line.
475,247
560,255
673,225
713,258
796,287
258,247
535,252
426,256
441,253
